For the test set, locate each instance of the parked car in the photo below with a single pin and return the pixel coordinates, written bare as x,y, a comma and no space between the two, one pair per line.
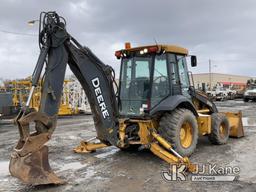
250,94
231,94
221,94
211,94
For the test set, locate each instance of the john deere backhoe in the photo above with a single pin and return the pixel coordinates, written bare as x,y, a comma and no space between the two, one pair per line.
156,106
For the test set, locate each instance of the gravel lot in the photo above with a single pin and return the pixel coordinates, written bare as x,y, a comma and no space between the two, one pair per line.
113,170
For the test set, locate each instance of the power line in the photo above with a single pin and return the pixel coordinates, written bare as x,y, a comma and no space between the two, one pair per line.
18,33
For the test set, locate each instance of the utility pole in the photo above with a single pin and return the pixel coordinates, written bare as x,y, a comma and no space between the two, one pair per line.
210,75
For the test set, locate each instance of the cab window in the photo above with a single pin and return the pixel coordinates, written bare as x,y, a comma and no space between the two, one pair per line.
160,86
183,74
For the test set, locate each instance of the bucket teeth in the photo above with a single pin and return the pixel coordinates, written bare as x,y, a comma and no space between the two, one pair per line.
34,168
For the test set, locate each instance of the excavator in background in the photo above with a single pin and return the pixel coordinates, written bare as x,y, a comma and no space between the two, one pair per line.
155,106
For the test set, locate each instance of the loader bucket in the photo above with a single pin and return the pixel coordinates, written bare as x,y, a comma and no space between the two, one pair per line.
33,168
236,125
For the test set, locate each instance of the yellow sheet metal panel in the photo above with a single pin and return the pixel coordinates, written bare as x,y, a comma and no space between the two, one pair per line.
145,136
204,124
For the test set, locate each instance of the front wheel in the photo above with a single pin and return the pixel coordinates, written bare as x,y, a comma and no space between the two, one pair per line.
180,128
220,129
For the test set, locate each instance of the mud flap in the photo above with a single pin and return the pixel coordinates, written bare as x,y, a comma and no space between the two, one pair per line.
236,124
33,168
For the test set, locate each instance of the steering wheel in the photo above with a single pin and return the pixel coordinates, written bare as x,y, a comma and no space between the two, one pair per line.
162,76
139,86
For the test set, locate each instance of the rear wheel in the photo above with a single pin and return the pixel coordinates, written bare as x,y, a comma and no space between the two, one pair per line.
220,129
180,128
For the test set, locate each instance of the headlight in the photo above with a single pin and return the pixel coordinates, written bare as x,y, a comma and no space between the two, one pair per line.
246,93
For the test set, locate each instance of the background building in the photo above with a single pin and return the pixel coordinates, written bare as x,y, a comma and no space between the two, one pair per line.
213,79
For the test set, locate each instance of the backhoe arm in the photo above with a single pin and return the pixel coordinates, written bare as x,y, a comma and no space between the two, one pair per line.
97,80
29,159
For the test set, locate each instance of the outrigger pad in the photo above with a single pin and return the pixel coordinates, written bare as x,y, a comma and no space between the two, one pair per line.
34,168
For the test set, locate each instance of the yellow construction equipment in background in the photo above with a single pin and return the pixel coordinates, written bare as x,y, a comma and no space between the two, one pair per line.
20,90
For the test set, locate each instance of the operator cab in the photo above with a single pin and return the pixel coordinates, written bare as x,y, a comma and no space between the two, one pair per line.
149,74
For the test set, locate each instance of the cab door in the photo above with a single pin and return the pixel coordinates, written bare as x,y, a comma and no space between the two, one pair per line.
174,75
183,75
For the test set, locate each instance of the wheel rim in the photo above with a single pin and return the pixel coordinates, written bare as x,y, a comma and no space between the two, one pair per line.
186,136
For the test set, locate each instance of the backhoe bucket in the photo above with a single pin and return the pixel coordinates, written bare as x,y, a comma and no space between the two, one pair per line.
236,125
33,168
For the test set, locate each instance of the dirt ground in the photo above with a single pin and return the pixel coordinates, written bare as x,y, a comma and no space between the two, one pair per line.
113,170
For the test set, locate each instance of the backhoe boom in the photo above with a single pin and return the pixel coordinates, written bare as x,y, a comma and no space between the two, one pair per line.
58,49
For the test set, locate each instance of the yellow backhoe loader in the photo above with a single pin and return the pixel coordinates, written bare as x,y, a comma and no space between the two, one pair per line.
156,106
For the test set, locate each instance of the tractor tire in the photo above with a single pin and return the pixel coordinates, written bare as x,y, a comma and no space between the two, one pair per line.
180,129
220,129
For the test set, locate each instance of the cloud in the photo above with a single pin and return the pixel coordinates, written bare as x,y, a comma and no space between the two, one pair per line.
221,31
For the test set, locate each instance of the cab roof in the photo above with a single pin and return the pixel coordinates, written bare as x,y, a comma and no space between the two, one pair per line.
166,48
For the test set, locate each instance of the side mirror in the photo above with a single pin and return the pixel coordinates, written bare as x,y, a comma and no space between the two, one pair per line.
193,61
